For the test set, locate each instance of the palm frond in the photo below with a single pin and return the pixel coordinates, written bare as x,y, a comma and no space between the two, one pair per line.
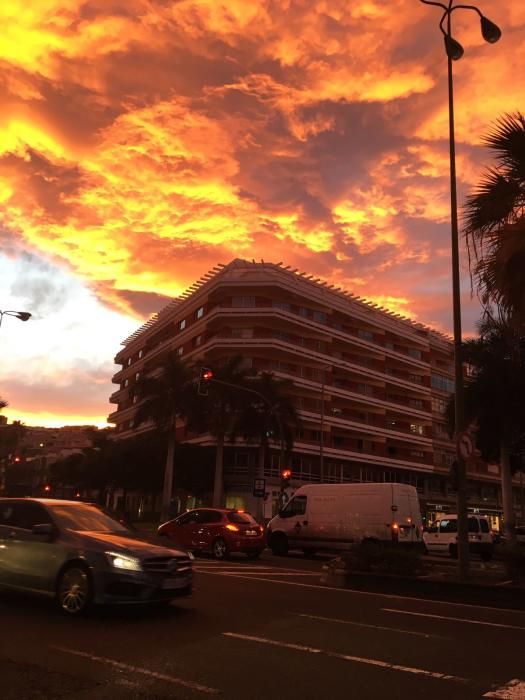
507,139
492,204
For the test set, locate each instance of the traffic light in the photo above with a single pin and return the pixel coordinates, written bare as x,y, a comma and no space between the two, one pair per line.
286,475
205,377
47,488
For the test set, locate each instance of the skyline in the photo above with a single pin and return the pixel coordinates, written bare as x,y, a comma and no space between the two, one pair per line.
143,142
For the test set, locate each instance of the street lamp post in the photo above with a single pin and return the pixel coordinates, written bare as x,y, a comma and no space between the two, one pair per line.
21,315
491,33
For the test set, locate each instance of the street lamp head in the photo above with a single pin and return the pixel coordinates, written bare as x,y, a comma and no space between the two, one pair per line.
453,48
23,315
490,31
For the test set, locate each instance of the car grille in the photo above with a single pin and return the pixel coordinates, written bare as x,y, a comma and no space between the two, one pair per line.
180,564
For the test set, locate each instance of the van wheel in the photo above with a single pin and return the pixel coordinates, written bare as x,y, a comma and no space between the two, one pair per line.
453,551
279,544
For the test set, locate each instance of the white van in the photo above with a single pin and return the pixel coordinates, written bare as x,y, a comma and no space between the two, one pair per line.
442,536
335,516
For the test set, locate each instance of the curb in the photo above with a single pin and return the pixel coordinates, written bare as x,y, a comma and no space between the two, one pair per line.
496,596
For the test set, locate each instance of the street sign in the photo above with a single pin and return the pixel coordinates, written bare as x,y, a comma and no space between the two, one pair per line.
283,499
464,445
259,488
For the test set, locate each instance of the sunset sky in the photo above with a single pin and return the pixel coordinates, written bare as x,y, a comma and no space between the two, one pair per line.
144,141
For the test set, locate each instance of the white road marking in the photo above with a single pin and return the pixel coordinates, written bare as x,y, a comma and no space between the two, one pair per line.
347,657
455,619
274,573
378,595
138,669
513,690
374,627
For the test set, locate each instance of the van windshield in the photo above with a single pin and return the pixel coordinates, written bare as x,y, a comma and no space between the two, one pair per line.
297,506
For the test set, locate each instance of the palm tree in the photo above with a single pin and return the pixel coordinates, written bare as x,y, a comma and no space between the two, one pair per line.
494,399
270,417
164,398
220,411
495,221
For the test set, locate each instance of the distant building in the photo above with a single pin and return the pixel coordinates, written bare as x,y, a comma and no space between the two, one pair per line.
28,451
378,383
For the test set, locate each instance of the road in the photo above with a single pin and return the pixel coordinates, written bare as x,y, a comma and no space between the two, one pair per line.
264,629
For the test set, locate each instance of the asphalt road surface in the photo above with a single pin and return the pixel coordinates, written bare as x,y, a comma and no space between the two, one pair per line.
264,629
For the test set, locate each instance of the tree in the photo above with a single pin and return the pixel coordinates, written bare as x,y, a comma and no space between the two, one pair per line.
494,399
220,411
495,221
272,417
164,400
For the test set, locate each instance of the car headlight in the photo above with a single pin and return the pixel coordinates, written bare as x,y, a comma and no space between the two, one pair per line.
124,561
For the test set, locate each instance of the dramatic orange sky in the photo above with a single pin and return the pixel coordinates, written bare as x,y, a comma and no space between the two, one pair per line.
143,141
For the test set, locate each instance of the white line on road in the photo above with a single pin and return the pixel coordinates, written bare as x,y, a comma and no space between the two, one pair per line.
377,595
513,690
455,619
374,627
138,669
274,573
347,657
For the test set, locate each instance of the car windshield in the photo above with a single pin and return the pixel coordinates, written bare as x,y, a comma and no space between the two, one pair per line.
84,518
241,518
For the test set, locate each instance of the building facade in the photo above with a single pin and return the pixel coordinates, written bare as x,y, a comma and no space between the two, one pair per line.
371,387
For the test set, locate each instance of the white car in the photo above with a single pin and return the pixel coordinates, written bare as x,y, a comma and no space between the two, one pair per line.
442,536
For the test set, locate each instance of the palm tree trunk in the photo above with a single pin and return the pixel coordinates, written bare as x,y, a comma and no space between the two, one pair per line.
218,479
167,491
506,492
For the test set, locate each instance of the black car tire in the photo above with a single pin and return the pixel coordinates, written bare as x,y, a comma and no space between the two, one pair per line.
74,590
219,549
279,544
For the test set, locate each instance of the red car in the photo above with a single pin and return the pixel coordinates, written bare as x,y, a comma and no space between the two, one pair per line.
216,530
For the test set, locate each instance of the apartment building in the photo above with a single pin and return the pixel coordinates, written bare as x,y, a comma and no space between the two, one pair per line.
375,383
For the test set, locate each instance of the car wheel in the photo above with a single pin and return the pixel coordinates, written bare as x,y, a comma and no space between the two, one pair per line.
254,555
453,551
220,548
279,545
74,590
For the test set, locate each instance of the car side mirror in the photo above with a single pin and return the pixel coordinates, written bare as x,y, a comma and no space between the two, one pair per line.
44,530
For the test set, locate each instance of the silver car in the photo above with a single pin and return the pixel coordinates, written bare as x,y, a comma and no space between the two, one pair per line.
79,555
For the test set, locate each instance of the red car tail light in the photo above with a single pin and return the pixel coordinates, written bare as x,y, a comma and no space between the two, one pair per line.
232,528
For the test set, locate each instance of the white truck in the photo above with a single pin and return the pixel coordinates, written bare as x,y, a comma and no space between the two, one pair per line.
335,516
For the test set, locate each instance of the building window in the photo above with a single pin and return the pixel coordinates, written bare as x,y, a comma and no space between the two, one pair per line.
129,361
242,332
417,429
137,376
442,383
182,324
283,305
439,405
126,383
320,317
416,378
416,354
365,335
141,353
389,345
180,350
417,453
135,398
305,313
197,341
243,301
415,403
365,389
200,312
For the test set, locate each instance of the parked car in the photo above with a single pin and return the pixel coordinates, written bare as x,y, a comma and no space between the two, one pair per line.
216,530
79,555
442,537
335,516
501,537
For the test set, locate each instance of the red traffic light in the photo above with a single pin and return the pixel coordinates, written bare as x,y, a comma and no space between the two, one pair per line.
207,375
16,459
286,474
47,488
